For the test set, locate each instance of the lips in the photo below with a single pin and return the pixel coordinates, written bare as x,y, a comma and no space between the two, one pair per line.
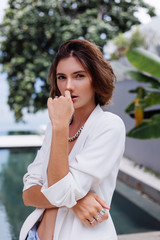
73,97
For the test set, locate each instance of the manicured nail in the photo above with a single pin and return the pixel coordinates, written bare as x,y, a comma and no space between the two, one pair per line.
106,206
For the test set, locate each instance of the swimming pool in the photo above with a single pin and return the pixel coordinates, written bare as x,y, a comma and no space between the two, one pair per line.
128,218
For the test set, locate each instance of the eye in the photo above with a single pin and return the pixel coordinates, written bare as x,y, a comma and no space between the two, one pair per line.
61,77
80,76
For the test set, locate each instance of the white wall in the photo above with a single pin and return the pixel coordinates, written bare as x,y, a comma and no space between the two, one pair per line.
144,152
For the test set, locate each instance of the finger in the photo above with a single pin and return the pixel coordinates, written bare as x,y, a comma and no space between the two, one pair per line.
93,221
105,216
99,218
86,223
49,100
103,213
102,202
67,94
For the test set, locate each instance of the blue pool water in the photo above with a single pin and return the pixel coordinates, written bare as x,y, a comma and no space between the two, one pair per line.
127,217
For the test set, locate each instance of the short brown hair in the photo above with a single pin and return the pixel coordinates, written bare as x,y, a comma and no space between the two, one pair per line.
93,61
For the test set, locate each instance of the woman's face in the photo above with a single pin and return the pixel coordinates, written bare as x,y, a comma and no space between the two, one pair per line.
72,76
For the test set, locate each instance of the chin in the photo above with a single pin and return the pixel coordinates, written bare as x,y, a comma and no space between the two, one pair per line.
78,106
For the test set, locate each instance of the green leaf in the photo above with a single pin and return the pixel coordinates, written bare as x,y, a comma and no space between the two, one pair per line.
130,107
140,77
147,101
147,130
144,61
152,90
151,99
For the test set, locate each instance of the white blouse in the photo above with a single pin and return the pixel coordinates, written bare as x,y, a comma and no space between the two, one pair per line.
93,166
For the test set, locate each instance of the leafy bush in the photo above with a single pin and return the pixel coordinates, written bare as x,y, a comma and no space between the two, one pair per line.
148,71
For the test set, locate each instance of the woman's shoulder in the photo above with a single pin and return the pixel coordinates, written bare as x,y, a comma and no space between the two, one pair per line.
105,125
101,122
109,120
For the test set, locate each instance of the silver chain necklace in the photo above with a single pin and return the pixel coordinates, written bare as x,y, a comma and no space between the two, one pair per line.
70,139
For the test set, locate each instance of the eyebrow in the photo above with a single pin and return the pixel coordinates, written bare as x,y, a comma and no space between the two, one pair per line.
73,73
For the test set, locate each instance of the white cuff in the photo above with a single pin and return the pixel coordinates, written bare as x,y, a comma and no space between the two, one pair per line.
60,193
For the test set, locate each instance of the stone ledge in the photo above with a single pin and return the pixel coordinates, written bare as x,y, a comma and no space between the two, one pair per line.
21,141
140,236
140,180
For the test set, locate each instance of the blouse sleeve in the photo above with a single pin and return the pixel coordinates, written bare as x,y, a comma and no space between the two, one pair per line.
101,154
34,170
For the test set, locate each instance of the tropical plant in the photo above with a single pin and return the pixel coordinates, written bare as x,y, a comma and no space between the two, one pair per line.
148,71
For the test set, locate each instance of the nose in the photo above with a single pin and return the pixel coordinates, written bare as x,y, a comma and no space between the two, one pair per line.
69,84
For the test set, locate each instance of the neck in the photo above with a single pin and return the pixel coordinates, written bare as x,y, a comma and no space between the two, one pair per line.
81,115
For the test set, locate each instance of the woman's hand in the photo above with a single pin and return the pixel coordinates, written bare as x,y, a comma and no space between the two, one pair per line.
91,208
60,109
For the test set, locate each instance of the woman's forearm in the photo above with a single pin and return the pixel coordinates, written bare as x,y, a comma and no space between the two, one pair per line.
60,112
34,197
91,203
58,158
58,166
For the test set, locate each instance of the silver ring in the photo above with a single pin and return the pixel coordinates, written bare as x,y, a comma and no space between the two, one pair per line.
103,211
100,217
92,221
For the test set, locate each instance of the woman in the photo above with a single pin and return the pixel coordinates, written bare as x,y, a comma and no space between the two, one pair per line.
78,163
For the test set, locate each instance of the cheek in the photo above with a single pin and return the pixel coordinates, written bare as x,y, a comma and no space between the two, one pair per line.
60,86
89,89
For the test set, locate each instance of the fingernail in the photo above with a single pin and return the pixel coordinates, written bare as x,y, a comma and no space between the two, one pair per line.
106,206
